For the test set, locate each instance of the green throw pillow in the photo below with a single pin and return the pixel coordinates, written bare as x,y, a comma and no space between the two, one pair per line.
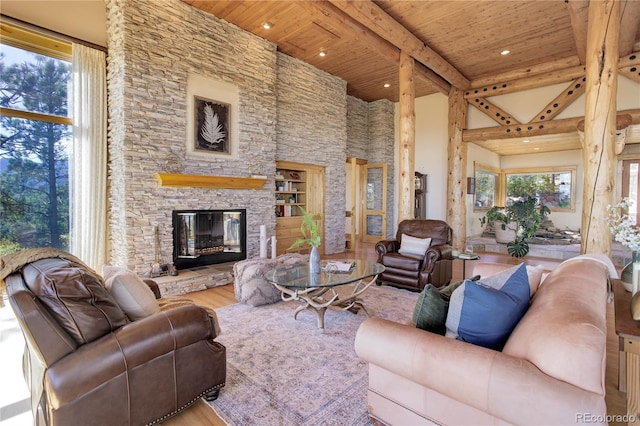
430,312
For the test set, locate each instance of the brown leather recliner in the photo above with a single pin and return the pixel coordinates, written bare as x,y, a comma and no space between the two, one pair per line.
86,364
415,272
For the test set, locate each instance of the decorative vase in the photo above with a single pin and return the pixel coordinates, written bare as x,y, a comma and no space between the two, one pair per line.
631,273
314,260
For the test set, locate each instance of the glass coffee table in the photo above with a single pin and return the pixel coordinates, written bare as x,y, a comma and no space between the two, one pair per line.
329,289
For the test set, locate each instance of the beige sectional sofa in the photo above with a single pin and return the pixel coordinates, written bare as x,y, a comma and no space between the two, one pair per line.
551,370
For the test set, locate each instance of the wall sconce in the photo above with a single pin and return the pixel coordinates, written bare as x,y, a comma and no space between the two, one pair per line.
471,185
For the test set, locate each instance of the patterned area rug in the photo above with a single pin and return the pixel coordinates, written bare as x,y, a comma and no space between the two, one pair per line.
282,371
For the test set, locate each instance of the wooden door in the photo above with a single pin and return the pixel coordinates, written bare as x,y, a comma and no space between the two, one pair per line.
353,197
374,189
630,186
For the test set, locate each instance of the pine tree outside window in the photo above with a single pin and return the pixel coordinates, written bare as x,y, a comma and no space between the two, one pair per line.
35,141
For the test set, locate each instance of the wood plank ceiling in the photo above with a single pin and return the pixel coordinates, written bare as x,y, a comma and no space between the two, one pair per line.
454,42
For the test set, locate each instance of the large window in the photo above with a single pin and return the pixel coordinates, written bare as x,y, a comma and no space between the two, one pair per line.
552,187
35,141
487,186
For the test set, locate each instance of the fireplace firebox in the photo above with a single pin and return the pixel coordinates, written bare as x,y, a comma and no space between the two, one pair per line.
207,237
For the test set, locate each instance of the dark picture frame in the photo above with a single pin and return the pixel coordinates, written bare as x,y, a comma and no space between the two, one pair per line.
212,132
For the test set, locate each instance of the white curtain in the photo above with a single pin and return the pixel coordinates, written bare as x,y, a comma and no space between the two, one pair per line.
89,165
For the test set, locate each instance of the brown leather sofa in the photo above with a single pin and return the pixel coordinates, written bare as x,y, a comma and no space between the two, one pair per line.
415,272
86,364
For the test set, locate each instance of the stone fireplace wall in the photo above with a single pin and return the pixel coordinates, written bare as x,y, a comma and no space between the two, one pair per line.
153,46
288,110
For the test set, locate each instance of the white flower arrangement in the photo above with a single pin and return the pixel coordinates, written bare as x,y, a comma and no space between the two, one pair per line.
622,227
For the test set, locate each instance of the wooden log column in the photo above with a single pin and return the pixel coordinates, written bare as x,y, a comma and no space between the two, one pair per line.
457,166
407,138
600,124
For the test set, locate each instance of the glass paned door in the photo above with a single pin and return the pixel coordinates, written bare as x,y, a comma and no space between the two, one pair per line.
630,184
375,202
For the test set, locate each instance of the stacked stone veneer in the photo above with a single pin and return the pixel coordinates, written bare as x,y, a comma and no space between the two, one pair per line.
288,111
370,134
312,128
381,150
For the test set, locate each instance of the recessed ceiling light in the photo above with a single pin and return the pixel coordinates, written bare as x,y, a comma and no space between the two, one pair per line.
525,141
267,25
505,52
537,148
322,53
387,85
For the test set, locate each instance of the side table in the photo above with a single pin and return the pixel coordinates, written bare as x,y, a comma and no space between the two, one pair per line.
464,257
628,332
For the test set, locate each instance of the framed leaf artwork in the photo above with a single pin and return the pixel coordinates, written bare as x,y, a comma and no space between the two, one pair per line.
212,132
212,118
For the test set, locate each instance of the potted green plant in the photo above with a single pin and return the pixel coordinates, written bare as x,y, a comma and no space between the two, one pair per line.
503,224
311,237
524,216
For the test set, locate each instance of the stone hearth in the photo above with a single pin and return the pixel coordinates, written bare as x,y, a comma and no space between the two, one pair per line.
195,279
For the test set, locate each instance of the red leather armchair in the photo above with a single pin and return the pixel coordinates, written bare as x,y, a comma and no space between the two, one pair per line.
86,363
414,272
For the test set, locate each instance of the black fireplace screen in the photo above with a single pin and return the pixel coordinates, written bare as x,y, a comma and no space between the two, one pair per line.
206,237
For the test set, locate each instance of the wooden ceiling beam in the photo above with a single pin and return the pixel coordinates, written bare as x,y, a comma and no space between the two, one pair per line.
494,112
632,59
539,128
579,15
543,68
562,101
544,75
373,17
323,10
629,24
535,81
632,73
630,66
550,111
434,79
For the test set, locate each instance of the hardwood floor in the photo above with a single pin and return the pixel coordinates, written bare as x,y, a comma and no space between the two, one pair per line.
201,414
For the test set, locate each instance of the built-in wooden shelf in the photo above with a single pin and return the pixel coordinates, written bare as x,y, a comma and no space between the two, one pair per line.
202,181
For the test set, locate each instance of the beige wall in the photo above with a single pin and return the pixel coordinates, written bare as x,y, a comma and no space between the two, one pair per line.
431,151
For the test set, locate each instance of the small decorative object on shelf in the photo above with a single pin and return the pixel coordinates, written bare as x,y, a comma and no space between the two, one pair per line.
173,164
290,192
626,232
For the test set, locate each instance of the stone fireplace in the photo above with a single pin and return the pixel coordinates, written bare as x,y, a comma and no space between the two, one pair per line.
286,110
208,237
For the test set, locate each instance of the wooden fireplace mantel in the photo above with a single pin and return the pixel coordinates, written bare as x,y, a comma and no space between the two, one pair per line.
203,181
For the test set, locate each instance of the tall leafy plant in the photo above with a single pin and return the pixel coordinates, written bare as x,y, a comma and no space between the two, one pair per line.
527,214
309,229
